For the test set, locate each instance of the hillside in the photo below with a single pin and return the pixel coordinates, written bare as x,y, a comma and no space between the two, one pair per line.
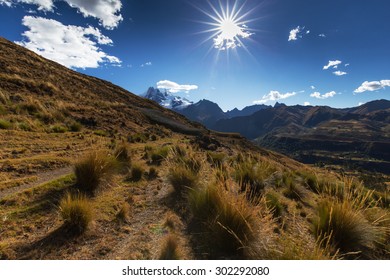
353,138
90,171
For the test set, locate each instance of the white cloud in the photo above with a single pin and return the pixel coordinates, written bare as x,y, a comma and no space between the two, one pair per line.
43,5
340,73
70,45
175,87
149,63
361,103
306,104
295,33
106,11
322,35
274,95
347,64
312,87
323,96
332,63
372,86
7,3
308,32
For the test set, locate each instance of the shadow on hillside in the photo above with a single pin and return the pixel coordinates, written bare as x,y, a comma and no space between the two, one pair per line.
195,229
56,240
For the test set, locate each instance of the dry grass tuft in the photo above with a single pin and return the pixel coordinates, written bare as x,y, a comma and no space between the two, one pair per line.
182,178
170,249
343,219
123,155
252,176
274,205
124,213
226,223
94,170
137,172
76,212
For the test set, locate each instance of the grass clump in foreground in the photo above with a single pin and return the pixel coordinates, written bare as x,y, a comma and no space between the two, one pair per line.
123,156
182,178
344,221
94,170
347,229
124,213
227,225
76,212
170,249
251,176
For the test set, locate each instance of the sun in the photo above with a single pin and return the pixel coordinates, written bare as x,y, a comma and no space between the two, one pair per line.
228,26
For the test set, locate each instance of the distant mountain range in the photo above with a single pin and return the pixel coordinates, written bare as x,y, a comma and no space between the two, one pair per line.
204,111
353,137
357,137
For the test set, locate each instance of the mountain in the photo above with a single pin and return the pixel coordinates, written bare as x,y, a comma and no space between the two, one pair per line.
166,99
247,111
204,111
357,136
369,107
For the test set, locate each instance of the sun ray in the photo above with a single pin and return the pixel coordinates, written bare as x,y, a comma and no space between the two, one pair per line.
228,25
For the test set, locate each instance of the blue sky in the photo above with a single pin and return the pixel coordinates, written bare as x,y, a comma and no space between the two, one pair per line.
334,53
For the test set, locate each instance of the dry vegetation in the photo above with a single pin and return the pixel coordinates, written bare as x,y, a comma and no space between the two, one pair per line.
102,180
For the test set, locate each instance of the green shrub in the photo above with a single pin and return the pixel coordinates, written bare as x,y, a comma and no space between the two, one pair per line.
94,170
76,212
182,178
170,249
4,124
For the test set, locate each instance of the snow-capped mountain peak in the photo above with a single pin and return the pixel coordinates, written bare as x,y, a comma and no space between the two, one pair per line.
166,99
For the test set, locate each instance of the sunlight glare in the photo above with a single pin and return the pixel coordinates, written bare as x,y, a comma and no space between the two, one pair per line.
229,26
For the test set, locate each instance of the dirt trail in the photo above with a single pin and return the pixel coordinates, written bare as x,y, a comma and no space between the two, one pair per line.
142,223
43,177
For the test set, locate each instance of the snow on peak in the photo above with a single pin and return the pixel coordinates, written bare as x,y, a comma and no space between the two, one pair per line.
166,99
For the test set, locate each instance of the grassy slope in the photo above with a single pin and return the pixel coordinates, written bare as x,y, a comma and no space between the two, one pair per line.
42,101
